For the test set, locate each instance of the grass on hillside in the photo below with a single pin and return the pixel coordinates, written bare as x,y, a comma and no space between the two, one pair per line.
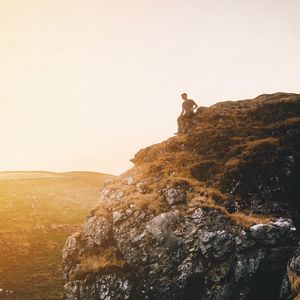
38,211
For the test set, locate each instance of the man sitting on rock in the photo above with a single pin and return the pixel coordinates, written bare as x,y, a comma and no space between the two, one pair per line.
188,110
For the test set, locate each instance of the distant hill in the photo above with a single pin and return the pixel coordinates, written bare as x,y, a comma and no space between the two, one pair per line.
38,210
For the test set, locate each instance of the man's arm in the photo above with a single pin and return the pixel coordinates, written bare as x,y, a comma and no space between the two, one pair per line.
182,112
195,105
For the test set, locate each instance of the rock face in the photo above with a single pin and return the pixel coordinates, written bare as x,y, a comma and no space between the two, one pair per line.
211,214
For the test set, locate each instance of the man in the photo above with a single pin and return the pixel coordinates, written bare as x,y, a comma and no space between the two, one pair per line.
188,110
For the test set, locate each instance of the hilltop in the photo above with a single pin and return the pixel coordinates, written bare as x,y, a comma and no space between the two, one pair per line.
210,214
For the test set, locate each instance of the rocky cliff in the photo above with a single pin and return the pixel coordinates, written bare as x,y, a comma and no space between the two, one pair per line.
210,214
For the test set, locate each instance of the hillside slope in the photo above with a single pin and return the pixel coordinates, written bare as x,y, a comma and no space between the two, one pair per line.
210,214
38,210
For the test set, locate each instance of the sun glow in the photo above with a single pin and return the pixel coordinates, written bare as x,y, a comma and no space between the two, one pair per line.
84,85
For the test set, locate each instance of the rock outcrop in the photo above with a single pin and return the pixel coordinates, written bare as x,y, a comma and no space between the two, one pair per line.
210,214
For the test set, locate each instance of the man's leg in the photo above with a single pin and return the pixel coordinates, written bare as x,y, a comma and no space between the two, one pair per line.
179,123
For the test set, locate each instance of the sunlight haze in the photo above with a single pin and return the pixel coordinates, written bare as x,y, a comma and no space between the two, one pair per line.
86,84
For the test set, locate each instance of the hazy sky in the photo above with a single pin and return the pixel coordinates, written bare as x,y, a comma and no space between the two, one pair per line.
84,84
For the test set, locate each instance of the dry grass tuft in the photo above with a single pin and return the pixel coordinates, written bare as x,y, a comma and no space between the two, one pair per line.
232,163
295,282
244,220
239,218
261,144
108,258
291,122
152,202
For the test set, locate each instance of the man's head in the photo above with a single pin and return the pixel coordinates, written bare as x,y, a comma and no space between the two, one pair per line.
184,96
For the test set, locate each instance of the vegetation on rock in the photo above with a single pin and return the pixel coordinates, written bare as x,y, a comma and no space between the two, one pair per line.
210,214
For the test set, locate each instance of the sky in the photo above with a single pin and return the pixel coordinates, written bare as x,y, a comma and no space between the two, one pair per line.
85,84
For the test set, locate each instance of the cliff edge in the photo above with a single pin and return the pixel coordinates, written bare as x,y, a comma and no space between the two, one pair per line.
210,214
